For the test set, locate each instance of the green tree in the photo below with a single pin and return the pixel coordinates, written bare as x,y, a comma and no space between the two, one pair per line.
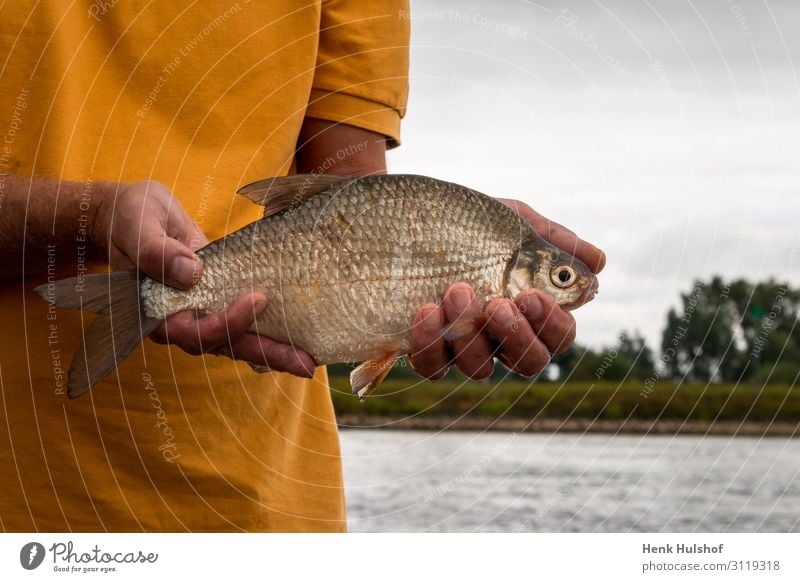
634,357
629,358
726,332
769,320
700,336
583,365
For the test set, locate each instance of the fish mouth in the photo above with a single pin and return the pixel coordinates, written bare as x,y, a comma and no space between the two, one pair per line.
588,294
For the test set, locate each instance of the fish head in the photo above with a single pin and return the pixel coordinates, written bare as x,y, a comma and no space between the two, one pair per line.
538,264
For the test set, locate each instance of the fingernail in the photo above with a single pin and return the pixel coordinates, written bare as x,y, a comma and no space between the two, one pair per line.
432,320
504,315
259,304
462,299
601,262
184,270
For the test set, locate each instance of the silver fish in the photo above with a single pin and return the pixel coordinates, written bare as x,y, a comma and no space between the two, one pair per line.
345,262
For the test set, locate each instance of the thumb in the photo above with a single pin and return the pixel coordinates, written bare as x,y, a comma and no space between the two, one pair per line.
168,260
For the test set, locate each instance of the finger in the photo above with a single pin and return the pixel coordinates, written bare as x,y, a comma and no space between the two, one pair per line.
166,259
551,324
223,327
152,230
176,222
473,355
159,334
197,335
560,236
180,226
197,239
429,356
523,352
264,351
180,330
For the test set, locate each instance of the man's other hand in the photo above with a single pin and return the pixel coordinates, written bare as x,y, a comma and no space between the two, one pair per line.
145,226
530,329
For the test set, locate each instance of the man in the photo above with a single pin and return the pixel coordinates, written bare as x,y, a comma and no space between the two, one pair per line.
112,108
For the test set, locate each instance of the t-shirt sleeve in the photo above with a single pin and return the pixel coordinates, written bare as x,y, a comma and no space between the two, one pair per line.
361,75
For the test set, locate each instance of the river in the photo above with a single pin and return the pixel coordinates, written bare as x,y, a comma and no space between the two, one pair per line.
414,481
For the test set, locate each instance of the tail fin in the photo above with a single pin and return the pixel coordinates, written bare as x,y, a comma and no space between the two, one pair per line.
118,328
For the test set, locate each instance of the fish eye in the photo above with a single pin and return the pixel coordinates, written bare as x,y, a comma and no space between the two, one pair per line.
562,276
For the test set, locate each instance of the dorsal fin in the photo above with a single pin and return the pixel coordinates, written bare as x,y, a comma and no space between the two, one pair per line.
279,194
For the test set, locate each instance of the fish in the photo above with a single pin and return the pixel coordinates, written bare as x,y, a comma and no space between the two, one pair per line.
346,262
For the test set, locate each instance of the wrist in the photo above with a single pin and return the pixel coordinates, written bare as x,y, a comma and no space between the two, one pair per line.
102,214
326,147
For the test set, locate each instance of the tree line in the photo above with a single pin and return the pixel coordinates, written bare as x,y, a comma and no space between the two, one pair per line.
722,331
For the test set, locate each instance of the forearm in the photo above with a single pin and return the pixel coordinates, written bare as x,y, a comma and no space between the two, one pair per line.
325,147
38,215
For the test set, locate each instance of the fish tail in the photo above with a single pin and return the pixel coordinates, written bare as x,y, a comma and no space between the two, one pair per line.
118,328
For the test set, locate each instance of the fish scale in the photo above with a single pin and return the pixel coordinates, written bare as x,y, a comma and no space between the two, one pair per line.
345,263
337,257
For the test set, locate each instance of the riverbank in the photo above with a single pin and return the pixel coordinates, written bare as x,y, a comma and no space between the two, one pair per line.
515,404
572,425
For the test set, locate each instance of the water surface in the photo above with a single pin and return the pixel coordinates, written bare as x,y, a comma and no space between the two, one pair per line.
470,481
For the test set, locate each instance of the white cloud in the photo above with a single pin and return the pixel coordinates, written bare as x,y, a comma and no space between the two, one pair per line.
678,171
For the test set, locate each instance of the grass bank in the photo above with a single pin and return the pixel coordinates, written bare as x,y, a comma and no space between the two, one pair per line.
514,403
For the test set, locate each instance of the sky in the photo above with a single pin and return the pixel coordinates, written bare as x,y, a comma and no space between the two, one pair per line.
667,133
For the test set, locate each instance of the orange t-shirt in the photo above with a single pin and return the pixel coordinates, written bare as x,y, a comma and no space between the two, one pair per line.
204,97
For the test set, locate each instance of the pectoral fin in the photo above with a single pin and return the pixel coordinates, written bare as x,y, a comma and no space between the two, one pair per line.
464,328
365,378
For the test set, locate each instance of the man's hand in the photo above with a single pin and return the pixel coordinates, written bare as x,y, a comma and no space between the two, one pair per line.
530,329
145,226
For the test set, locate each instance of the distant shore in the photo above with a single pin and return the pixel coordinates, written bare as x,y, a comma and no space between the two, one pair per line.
572,425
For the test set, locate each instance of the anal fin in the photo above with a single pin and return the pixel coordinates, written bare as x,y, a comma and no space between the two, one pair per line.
366,377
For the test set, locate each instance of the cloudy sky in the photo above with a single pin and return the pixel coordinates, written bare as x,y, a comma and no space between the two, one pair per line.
668,133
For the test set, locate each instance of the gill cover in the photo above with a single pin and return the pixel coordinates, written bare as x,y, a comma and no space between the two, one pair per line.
538,264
